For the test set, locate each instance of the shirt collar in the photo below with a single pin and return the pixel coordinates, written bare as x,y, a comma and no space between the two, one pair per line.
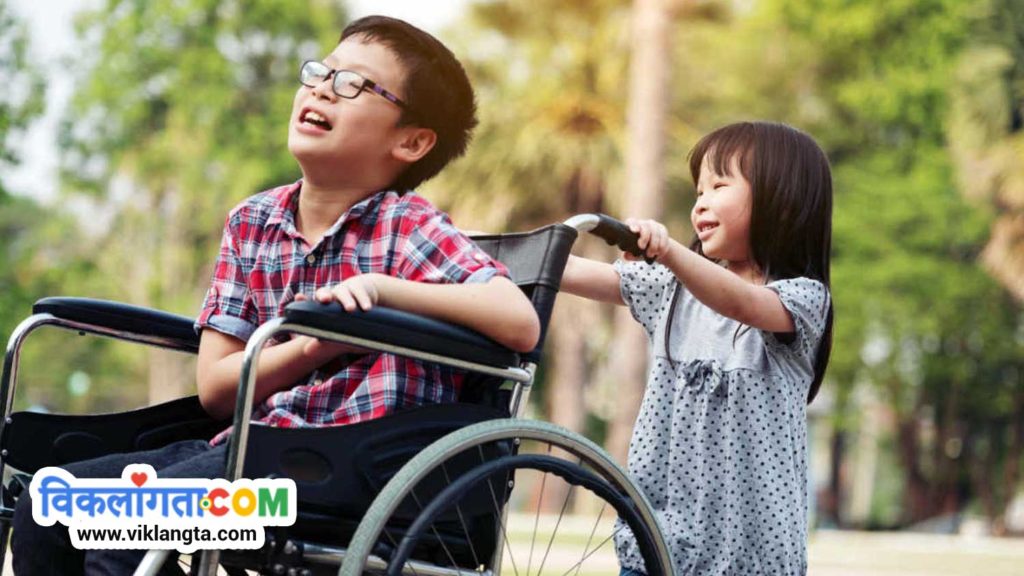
285,210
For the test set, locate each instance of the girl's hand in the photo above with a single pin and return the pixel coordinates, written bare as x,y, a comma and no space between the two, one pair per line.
653,240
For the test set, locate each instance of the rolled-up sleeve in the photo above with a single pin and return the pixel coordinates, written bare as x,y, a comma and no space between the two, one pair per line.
228,306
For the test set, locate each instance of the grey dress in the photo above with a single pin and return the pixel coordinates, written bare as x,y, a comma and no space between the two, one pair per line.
720,445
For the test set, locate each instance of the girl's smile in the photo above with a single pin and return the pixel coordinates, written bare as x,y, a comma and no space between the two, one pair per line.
721,214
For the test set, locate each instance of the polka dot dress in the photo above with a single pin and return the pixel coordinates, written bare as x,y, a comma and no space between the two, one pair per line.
719,446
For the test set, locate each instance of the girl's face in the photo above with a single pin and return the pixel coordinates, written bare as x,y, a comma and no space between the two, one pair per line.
721,215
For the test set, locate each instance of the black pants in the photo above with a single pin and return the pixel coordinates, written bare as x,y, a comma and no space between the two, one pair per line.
39,550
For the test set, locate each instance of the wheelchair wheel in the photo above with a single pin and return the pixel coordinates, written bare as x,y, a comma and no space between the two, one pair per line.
506,497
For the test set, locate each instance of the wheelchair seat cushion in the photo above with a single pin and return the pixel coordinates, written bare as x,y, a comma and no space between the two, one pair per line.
338,470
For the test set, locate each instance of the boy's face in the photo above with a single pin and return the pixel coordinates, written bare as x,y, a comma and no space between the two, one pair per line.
350,141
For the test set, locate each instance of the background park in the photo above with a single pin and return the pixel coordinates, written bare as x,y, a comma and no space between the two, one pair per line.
165,114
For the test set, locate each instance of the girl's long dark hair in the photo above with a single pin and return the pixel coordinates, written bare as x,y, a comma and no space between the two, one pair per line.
791,216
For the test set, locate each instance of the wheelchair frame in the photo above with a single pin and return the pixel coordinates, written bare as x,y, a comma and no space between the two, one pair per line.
522,375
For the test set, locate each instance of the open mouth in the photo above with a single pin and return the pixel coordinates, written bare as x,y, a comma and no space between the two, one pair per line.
314,119
705,226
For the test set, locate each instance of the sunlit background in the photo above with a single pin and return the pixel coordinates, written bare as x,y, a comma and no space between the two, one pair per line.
129,129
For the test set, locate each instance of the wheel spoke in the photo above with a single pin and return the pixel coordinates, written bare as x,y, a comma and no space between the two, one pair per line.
536,523
590,538
462,520
395,544
599,546
561,513
437,535
499,512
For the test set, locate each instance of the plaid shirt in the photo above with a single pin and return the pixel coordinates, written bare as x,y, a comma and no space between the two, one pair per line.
264,262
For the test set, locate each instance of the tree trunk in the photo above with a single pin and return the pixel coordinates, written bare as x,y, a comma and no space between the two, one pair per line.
916,504
833,496
564,391
170,374
1012,465
645,176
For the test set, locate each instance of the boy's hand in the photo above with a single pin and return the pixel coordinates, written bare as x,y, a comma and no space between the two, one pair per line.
325,349
362,291
653,240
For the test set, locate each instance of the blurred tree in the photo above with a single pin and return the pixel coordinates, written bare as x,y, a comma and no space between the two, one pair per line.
554,81
915,315
642,195
20,102
987,131
550,82
180,111
986,136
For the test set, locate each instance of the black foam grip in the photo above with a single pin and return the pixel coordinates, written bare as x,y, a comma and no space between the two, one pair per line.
616,233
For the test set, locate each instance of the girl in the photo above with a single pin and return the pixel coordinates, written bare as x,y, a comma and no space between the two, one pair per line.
740,326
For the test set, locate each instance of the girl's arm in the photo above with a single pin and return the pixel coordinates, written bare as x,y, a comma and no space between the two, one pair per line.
592,279
716,287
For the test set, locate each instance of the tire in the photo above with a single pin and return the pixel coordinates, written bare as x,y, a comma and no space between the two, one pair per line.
457,489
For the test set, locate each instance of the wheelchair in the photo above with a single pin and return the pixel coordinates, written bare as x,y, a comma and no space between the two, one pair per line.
435,490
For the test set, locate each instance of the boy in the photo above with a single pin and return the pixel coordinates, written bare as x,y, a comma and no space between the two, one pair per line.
383,112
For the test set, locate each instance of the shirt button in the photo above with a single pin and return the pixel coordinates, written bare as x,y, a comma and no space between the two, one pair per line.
310,259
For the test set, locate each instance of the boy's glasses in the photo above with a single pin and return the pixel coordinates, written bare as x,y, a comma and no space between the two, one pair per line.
346,84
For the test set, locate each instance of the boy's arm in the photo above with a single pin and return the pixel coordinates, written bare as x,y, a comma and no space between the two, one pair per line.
592,279
497,308
220,364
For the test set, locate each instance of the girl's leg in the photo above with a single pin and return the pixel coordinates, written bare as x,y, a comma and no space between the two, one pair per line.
47,550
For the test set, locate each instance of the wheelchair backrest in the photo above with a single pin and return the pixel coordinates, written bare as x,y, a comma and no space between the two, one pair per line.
535,260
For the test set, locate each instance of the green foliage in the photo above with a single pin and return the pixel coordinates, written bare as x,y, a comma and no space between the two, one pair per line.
20,102
180,111
22,98
882,67
550,83
184,107
916,316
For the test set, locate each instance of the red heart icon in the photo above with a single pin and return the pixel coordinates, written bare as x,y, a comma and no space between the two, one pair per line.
139,478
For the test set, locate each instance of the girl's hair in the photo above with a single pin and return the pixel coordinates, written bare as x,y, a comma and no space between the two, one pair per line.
791,217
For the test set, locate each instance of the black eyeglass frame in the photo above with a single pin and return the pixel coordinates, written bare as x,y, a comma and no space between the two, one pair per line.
366,84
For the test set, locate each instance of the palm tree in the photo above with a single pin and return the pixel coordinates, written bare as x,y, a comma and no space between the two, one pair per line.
550,78
987,136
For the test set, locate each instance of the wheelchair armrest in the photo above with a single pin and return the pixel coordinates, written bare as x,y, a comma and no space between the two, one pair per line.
122,318
403,329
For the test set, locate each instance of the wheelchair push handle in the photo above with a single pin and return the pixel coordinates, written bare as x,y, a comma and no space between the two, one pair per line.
614,232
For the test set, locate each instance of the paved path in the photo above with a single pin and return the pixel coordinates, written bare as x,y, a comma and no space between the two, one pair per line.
834,553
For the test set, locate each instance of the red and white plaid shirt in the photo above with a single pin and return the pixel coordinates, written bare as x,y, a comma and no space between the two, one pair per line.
264,262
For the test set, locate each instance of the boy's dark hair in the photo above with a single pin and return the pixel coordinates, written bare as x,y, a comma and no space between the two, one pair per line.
436,90
791,216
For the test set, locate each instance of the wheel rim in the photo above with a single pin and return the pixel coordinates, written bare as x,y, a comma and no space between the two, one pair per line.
535,543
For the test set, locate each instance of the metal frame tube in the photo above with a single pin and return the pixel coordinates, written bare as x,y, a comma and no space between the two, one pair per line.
247,387
583,222
154,559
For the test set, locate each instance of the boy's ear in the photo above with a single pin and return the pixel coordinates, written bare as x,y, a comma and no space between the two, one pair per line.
414,143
